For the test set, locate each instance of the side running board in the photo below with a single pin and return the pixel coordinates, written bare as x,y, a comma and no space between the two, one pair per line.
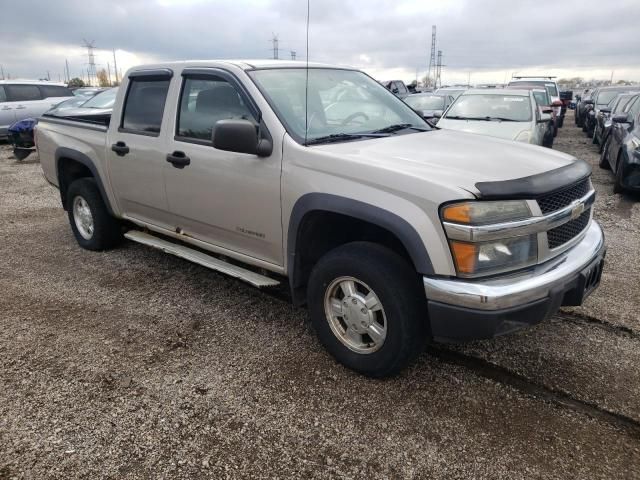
203,259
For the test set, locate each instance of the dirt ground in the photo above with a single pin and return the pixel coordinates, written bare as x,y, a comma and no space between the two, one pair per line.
135,364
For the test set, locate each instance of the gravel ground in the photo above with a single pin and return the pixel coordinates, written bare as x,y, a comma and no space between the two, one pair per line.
136,364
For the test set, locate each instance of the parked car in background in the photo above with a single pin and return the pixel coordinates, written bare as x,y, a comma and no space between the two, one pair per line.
582,106
623,148
550,85
599,100
603,118
397,87
543,100
429,105
455,92
96,109
510,114
21,99
88,91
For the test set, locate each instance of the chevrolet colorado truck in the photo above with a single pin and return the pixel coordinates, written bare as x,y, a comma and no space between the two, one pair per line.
392,232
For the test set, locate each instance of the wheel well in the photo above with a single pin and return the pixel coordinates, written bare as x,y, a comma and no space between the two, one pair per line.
70,170
322,231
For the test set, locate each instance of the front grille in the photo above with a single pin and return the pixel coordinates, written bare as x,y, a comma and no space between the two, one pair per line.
555,201
560,235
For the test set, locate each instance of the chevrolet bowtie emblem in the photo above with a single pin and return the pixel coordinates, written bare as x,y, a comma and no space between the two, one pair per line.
576,210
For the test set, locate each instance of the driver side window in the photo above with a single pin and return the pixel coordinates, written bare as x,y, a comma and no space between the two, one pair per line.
204,102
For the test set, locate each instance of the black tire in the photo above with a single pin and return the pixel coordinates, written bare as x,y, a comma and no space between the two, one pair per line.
106,231
555,129
617,182
561,122
594,137
604,155
401,295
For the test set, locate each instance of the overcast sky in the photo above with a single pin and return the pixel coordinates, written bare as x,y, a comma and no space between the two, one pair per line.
488,40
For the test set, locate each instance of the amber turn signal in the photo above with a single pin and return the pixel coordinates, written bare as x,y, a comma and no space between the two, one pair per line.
465,256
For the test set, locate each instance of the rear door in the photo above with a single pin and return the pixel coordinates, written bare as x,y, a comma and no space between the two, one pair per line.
7,112
228,199
137,145
24,99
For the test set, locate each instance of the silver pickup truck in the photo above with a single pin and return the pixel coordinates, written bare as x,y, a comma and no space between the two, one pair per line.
390,231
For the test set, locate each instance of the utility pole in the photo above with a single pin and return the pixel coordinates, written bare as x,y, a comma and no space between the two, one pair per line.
611,80
274,41
438,82
91,71
2,72
48,76
293,55
109,73
115,65
468,79
67,67
432,58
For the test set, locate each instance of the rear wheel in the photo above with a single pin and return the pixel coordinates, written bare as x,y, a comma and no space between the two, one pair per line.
91,223
604,155
368,308
594,137
618,187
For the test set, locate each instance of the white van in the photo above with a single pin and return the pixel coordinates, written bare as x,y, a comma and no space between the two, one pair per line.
20,99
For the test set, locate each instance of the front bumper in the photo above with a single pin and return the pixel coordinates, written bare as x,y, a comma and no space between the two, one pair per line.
473,309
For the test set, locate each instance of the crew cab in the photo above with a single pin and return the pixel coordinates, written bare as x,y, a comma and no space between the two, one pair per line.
318,178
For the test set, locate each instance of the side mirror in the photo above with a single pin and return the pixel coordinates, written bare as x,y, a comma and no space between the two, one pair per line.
437,113
589,102
546,109
544,117
394,90
557,103
620,118
240,136
605,110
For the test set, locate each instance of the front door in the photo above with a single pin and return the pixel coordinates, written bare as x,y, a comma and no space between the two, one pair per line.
135,149
231,200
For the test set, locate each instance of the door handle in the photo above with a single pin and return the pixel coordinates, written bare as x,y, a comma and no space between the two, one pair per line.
20,107
7,108
178,159
120,148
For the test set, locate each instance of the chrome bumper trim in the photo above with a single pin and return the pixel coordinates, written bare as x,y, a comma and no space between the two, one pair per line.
480,233
522,288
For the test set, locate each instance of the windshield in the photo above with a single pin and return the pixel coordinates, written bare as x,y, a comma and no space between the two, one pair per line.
425,102
550,87
105,99
606,96
342,104
489,107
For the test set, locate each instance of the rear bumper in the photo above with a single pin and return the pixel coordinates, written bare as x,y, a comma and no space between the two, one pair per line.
475,309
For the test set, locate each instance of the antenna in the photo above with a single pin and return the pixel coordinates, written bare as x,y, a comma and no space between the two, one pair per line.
306,85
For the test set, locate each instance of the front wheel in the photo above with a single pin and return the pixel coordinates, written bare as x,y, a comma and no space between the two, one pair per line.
604,155
368,308
618,186
91,223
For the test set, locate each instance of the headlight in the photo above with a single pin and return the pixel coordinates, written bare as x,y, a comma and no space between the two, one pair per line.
473,259
479,213
523,136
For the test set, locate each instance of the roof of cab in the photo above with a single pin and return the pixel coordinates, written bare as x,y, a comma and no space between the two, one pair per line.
243,64
497,91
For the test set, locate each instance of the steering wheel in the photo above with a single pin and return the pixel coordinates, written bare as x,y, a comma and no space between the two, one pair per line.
353,116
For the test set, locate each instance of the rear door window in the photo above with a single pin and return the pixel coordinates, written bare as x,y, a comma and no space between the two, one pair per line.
22,93
144,105
55,91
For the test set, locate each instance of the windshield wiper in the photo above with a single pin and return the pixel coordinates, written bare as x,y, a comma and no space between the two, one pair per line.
484,119
399,126
341,137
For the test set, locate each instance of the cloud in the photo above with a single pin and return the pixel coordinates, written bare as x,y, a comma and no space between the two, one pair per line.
490,39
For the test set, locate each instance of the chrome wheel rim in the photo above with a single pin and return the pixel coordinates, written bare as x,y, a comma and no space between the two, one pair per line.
355,315
83,218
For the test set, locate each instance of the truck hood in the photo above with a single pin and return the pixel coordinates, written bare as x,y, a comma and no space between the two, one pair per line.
506,130
449,158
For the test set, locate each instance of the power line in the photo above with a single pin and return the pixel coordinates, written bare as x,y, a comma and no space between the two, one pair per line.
438,81
293,54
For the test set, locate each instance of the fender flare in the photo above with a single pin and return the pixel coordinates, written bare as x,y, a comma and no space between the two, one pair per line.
64,152
395,224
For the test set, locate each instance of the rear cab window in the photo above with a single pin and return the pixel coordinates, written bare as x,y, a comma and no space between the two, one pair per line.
145,101
22,93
